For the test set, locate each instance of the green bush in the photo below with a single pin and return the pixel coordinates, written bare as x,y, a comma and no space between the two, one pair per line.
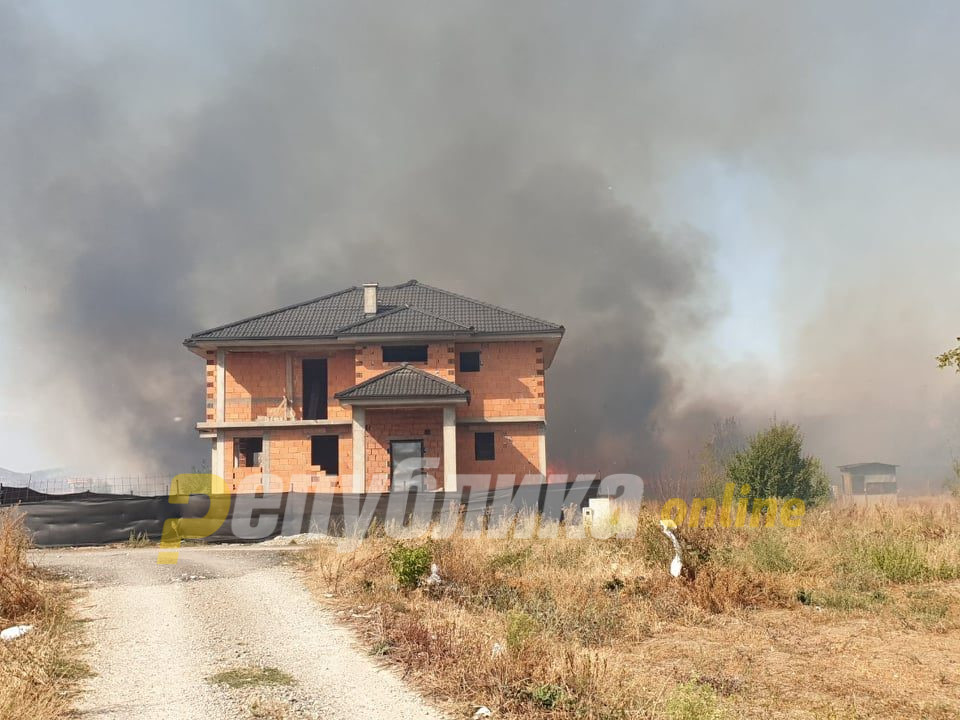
409,564
899,561
548,696
693,701
771,553
846,599
510,559
520,626
773,465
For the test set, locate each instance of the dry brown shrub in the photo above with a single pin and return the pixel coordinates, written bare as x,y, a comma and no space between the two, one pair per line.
20,592
725,589
38,671
580,627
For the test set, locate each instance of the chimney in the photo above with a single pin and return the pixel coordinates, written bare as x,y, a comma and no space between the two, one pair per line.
370,298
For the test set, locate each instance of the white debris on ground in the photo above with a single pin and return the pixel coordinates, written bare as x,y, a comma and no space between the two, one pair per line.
497,650
482,712
676,565
310,538
434,577
12,633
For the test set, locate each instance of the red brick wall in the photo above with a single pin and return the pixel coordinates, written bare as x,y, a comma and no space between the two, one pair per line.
401,424
510,381
256,382
211,384
516,447
340,376
289,455
369,361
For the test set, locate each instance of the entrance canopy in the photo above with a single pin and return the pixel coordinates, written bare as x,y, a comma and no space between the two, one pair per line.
404,385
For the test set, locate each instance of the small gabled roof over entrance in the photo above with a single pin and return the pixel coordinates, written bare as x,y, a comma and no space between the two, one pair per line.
404,383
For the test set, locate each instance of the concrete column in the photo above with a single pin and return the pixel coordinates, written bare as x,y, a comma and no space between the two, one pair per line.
359,450
288,361
265,454
450,448
218,460
221,383
214,453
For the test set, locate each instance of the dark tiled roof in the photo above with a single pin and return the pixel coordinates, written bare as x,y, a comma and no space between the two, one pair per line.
404,382
408,309
403,320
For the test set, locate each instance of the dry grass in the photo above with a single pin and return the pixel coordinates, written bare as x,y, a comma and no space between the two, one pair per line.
854,615
38,671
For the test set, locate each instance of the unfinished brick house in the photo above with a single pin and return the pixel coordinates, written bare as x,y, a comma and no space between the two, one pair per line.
346,392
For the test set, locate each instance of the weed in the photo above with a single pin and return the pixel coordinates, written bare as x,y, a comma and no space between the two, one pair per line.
770,553
510,559
520,627
71,669
20,586
928,608
409,564
899,561
39,671
380,649
844,599
947,571
693,701
251,676
268,709
614,584
548,696
595,629
137,540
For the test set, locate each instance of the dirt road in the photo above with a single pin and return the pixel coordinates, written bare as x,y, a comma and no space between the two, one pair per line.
158,632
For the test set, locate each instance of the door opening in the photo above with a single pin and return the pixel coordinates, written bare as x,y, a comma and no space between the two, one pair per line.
406,463
315,389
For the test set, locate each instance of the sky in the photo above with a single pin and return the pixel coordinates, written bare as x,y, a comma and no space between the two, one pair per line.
744,210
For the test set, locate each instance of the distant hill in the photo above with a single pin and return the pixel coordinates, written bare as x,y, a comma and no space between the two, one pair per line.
11,478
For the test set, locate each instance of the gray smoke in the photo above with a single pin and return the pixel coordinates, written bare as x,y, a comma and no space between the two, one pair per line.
527,154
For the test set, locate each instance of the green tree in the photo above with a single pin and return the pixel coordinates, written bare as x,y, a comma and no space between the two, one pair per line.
727,440
951,358
952,483
773,465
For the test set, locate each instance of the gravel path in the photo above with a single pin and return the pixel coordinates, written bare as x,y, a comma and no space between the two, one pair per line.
159,631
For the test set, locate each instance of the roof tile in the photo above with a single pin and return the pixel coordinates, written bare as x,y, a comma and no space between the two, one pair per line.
411,308
403,382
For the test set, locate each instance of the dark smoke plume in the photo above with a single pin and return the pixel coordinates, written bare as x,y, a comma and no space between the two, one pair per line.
523,153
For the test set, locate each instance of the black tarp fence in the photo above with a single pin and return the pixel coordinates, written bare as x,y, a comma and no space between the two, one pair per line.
98,519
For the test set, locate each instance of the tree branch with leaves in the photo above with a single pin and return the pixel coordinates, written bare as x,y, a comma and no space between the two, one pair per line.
951,358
